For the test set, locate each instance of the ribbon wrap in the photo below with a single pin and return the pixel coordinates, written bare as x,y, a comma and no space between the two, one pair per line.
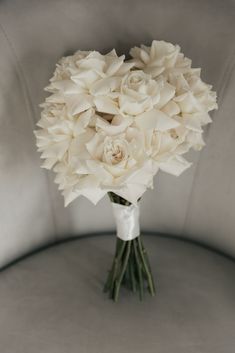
127,221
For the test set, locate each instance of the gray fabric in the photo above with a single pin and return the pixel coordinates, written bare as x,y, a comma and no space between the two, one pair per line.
33,36
53,302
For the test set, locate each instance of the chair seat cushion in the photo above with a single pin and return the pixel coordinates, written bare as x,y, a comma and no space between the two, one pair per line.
52,301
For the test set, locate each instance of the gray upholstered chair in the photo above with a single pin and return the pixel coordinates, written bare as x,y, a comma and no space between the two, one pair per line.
51,301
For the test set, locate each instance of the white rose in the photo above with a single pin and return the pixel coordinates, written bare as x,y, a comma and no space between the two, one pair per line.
99,163
109,127
67,66
160,58
116,151
139,93
195,99
143,98
192,94
88,79
166,148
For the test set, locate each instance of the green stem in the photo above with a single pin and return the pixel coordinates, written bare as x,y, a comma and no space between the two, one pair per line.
116,267
132,270
110,276
120,278
139,270
148,263
146,268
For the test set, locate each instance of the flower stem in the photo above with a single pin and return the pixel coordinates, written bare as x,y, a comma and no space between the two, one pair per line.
148,264
139,269
123,269
132,271
130,265
146,268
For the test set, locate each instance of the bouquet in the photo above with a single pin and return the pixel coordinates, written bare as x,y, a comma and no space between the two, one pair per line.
109,125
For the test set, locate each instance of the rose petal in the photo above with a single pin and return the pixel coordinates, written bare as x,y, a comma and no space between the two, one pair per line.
175,166
78,103
117,126
155,119
105,85
105,105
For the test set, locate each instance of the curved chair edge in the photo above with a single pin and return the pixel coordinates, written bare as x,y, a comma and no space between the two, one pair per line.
112,232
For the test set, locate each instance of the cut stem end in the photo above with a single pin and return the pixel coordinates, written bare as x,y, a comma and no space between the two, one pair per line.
130,268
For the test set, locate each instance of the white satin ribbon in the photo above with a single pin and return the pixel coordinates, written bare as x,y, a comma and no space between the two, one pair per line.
127,221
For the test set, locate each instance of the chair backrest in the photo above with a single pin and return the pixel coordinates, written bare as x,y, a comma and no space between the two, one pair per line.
33,36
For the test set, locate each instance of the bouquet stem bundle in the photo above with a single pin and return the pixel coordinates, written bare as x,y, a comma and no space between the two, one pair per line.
130,266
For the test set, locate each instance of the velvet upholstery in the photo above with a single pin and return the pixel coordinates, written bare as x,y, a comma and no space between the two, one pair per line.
52,302
33,36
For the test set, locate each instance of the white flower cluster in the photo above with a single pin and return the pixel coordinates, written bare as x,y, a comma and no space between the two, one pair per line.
110,125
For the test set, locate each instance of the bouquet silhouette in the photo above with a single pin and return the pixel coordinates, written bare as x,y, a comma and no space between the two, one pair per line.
109,125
